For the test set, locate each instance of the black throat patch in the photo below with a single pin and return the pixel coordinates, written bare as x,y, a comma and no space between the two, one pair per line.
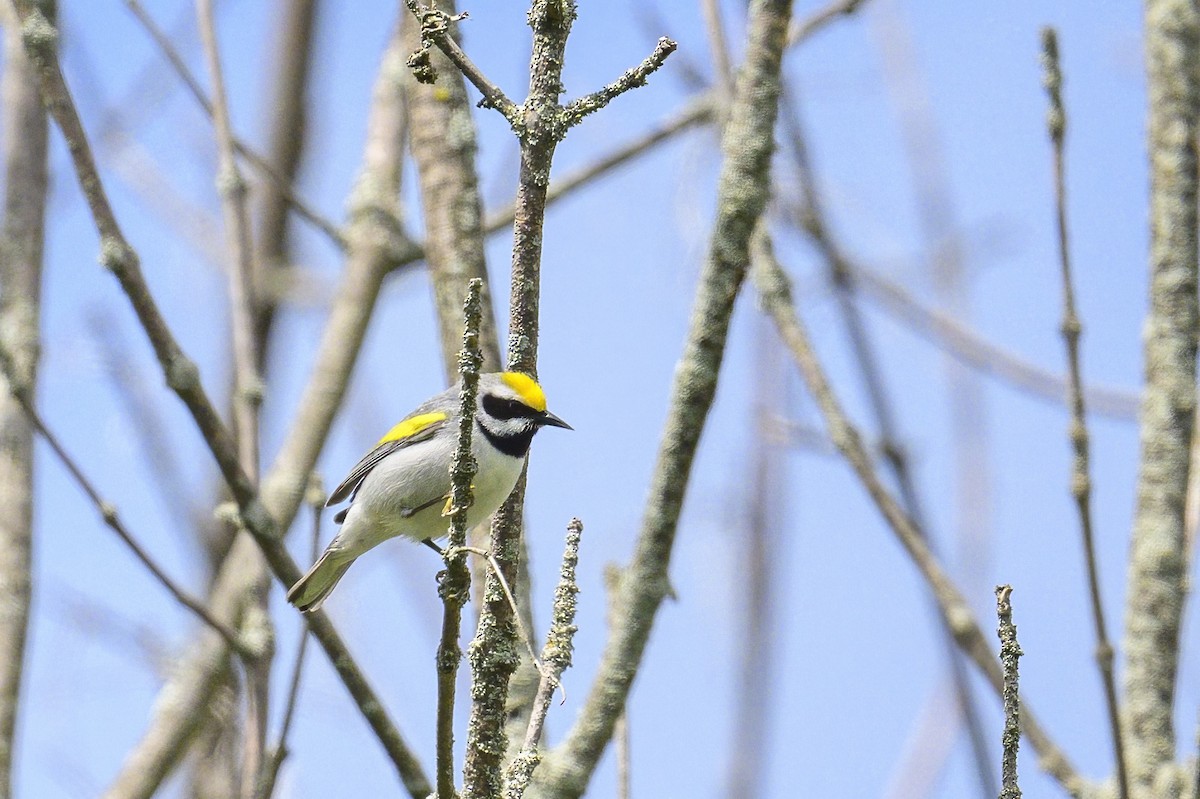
515,445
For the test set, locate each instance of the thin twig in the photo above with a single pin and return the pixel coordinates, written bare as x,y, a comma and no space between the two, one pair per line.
247,394
435,30
775,293
108,511
695,112
965,344
1072,330
260,164
182,376
802,29
510,597
576,110
454,585
1010,652
556,654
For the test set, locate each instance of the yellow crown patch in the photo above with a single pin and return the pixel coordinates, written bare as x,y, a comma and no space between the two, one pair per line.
527,389
411,426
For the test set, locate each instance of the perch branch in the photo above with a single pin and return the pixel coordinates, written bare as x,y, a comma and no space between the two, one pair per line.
455,583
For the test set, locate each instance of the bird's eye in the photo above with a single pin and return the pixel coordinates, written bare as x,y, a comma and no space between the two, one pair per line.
503,408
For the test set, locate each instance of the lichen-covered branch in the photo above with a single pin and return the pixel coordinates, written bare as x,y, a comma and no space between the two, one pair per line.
741,196
1157,584
556,658
493,652
576,110
21,243
1010,653
455,581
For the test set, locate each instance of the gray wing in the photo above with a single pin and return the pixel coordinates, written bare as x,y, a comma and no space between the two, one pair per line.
372,458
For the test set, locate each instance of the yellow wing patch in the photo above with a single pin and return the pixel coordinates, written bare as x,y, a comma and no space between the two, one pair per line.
411,426
527,389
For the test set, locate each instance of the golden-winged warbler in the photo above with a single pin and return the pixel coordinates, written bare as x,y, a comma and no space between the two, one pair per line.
402,486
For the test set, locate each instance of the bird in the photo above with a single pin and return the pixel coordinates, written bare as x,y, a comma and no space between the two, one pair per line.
402,486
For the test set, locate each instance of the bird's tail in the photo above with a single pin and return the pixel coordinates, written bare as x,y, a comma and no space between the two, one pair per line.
314,587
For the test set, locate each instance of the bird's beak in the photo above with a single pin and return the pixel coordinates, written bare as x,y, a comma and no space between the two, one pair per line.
548,419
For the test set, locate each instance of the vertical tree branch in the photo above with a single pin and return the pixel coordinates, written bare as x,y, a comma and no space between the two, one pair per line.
741,196
494,652
1072,330
21,240
761,565
1010,652
1157,568
455,582
556,658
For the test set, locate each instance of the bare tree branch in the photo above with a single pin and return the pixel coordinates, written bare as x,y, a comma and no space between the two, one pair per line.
19,390
444,147
263,166
39,38
775,292
741,196
894,455
287,107
247,383
1072,330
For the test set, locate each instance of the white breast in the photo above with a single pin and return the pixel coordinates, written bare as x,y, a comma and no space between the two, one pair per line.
420,475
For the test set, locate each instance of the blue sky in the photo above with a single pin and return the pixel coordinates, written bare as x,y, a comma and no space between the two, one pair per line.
859,654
